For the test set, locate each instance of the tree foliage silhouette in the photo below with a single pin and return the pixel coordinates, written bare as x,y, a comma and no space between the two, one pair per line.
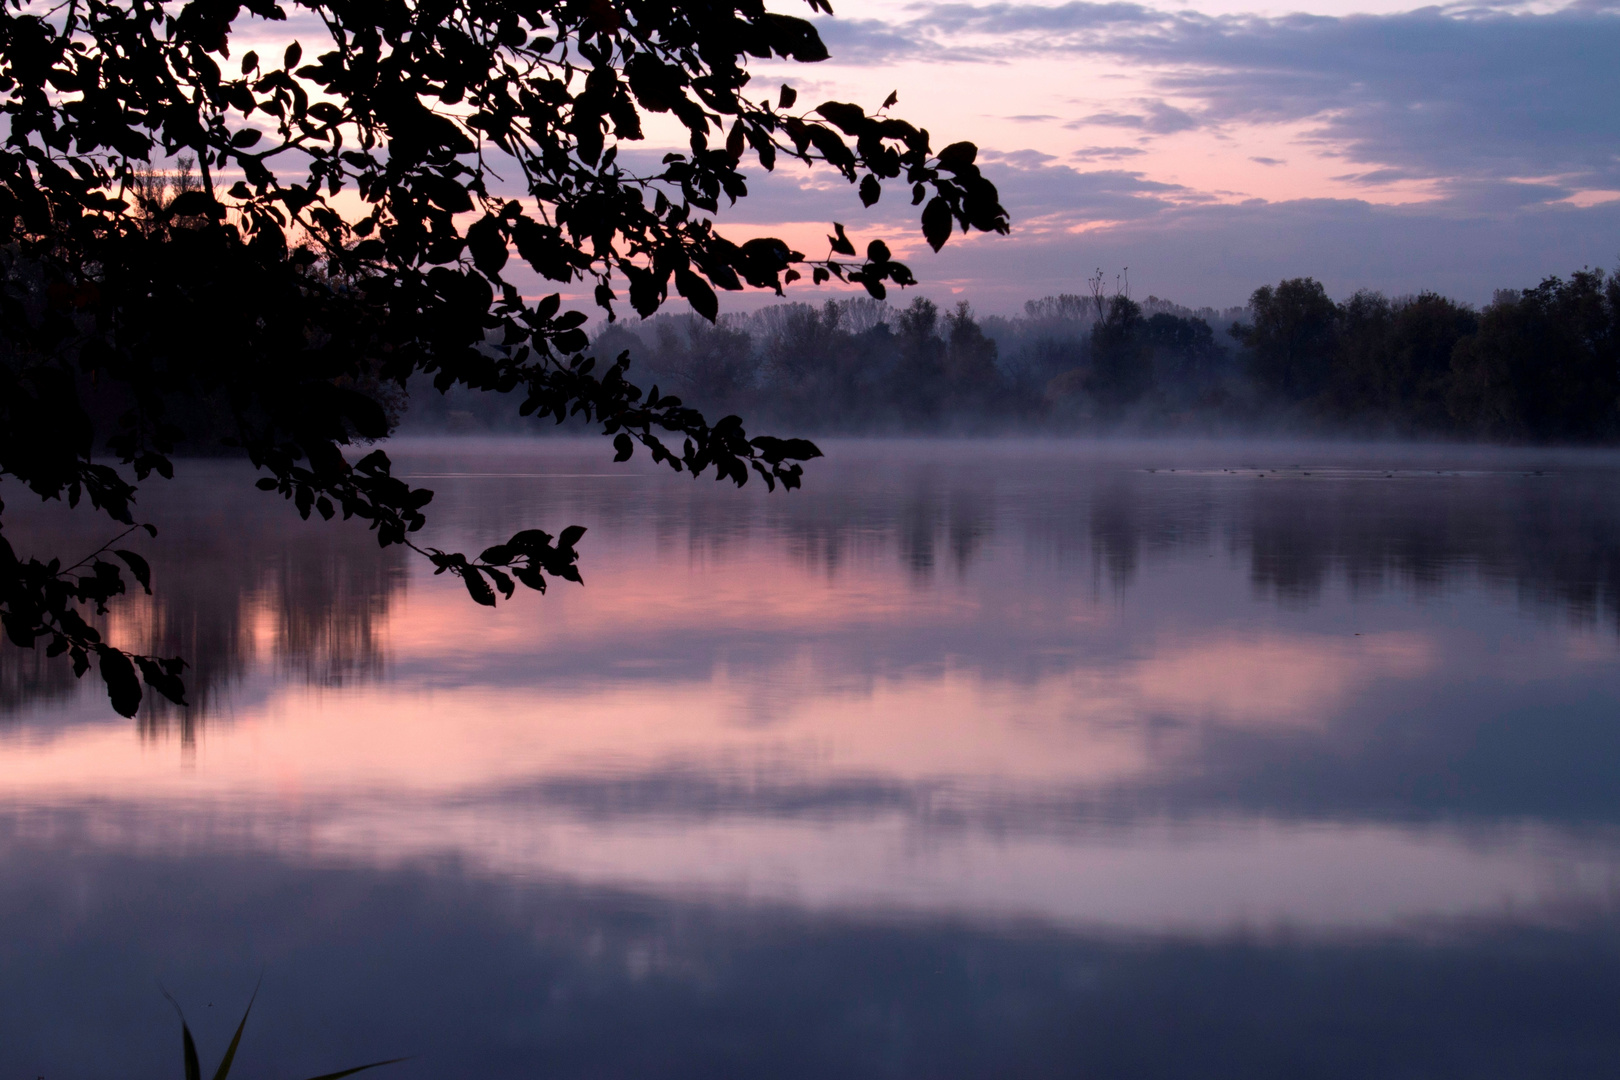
352,224
1539,364
1291,337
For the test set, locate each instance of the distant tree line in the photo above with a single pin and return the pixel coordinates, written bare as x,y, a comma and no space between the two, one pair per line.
1539,364
865,366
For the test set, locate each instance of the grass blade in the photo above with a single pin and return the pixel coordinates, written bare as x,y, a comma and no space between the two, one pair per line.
187,1044
193,1070
230,1051
358,1068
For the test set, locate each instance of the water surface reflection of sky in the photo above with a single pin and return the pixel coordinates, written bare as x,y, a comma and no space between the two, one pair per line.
1015,732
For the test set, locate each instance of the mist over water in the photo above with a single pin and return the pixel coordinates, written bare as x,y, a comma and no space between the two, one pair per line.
1536,365
1158,758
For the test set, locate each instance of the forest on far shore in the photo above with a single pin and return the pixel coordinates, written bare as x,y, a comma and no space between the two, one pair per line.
1538,364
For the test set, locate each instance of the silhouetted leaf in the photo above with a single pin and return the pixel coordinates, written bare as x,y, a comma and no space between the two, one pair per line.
850,118
697,293
192,204
477,587
936,222
164,677
775,450
958,156
501,580
793,38
487,245
840,243
137,566
118,672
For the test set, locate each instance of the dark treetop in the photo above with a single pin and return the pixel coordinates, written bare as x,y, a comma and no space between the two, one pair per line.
352,225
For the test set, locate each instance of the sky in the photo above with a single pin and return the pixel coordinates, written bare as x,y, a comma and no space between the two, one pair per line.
1210,148
1202,149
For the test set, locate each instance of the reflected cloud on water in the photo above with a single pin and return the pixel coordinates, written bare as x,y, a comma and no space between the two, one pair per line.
243,581
954,704
492,979
1313,640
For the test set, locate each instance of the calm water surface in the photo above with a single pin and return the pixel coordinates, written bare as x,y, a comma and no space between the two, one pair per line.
973,759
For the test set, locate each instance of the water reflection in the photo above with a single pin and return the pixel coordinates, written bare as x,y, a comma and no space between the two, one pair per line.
478,978
1047,738
242,585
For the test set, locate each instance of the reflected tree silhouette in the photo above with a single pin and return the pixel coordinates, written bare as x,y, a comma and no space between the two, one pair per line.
312,603
245,583
1116,532
1554,541
322,598
918,526
960,515
1288,556
26,677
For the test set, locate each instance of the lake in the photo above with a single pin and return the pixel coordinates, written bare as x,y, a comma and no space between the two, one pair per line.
973,758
